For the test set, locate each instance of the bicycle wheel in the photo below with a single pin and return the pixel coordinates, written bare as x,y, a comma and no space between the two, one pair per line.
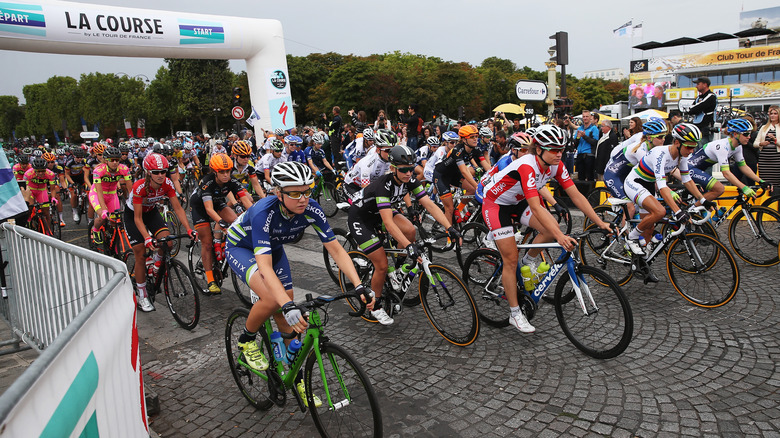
350,407
565,221
602,251
174,226
365,270
479,274
128,258
449,306
755,236
702,270
473,235
598,196
182,295
243,291
328,200
56,230
607,329
345,240
253,387
195,263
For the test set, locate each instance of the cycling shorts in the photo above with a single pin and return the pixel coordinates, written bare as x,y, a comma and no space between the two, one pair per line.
244,264
199,215
111,200
152,219
638,189
443,184
499,218
77,179
41,196
364,230
702,178
614,181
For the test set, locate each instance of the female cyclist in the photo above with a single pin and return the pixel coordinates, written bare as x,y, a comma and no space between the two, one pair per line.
103,194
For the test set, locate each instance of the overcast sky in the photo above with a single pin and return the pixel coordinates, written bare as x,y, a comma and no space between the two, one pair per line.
454,30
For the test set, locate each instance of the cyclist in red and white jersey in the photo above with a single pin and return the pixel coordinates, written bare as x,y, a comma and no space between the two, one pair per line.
515,191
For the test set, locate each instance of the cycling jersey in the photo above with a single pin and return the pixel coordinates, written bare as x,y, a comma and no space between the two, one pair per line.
57,169
173,166
91,163
245,174
317,156
448,167
148,197
499,166
265,227
39,185
75,168
522,179
717,152
367,170
209,190
127,162
651,172
109,180
269,161
19,170
422,154
623,158
383,192
432,161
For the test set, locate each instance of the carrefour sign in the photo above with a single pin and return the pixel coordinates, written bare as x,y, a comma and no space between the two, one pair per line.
531,90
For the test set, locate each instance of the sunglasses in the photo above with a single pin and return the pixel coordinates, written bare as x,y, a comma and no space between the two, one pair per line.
98,155
405,169
158,172
472,137
656,136
242,156
113,160
690,145
552,149
297,194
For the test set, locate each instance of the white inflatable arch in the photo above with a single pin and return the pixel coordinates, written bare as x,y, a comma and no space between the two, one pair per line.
50,26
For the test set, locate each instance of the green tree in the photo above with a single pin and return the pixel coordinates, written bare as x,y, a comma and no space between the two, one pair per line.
305,76
503,65
35,118
11,115
62,104
589,93
199,85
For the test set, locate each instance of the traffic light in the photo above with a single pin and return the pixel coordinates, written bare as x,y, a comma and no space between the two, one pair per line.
236,97
559,52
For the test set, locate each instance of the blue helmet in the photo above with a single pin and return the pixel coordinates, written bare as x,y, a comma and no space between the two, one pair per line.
739,125
654,127
450,136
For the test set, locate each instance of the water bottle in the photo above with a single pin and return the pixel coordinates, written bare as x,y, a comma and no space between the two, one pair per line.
657,238
541,271
642,241
528,282
292,351
218,249
150,267
278,345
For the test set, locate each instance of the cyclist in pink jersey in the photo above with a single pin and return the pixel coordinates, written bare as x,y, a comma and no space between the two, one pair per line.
102,195
40,181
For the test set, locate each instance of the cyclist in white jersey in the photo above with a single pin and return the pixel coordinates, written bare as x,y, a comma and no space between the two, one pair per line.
514,190
372,166
449,139
423,154
271,159
650,174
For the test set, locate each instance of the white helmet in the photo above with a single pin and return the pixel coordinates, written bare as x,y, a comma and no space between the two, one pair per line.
551,137
485,132
368,134
291,173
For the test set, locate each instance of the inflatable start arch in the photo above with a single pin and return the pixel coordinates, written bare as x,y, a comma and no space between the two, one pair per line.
84,29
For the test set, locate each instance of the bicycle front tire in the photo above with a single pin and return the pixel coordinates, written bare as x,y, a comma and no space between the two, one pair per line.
328,200
702,270
182,295
449,306
174,226
350,407
365,271
607,329
345,239
755,239
492,305
253,387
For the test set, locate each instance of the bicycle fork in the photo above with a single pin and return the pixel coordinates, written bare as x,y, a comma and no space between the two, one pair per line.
579,285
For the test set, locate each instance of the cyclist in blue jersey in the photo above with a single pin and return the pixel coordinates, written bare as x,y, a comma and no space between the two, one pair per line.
255,250
316,160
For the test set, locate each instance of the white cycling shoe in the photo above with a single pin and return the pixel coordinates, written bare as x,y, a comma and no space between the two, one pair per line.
145,304
519,322
382,316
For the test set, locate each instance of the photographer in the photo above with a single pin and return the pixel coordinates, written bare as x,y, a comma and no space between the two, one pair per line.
381,121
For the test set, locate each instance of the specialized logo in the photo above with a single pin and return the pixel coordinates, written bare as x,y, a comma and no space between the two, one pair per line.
279,79
22,19
200,32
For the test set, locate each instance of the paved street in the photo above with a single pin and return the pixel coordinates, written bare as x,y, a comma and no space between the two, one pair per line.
688,371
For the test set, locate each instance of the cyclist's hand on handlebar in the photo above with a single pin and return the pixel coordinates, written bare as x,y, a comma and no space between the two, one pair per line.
455,235
366,295
567,242
150,243
681,216
765,185
606,226
413,251
223,223
675,196
294,317
747,191
104,214
192,233
709,205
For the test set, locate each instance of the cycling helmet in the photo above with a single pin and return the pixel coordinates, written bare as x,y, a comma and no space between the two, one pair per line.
112,152
402,155
37,153
38,163
467,131
385,138
27,151
220,162
188,146
520,140
23,159
98,148
279,132
177,143
60,151
291,173
275,145
433,141
318,138
79,153
124,148
654,127
155,161
486,132
109,141
48,156
551,137
530,131
293,139
167,149
157,148
368,134
450,136
241,147
218,142
686,132
739,125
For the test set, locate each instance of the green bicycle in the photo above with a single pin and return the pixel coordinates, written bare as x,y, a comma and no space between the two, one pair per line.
349,407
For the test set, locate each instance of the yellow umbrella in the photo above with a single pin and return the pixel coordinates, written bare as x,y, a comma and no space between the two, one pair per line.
511,108
606,117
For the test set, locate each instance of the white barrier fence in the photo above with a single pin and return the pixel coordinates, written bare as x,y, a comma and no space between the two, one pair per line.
77,308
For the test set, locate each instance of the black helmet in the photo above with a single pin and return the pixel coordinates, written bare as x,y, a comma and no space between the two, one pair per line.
402,156
23,159
38,163
112,152
79,153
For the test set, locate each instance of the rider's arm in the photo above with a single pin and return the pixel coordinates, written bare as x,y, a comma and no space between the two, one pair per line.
256,185
175,179
387,219
208,205
435,211
467,178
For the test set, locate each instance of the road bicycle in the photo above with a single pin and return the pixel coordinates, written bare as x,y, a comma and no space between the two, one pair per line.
324,193
591,308
37,220
347,242
172,222
174,280
220,268
350,406
115,241
754,230
445,299
699,266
